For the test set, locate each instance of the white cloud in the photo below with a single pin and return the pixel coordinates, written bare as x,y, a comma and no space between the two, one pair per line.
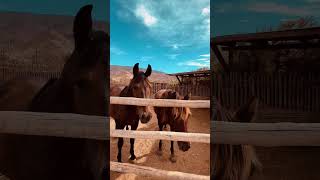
205,55
117,51
172,22
193,63
200,62
206,11
203,59
172,56
175,46
144,14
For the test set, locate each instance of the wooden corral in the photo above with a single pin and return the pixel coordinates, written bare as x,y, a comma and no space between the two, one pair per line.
284,133
299,92
279,86
183,89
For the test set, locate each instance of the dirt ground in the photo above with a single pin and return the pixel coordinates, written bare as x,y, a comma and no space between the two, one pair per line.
196,160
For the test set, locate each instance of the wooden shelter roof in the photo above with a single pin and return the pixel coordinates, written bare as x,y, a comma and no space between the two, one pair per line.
294,34
193,73
300,38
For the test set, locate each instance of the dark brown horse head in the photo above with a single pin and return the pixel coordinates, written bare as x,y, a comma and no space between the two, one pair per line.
84,73
181,117
140,87
235,162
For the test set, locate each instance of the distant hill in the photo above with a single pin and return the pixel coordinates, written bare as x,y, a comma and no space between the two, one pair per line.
123,74
49,38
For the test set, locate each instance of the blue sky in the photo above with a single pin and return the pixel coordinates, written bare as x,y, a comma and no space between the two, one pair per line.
57,7
234,16
171,35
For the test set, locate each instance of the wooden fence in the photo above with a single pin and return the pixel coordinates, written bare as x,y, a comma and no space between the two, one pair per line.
7,73
184,89
294,91
82,126
94,127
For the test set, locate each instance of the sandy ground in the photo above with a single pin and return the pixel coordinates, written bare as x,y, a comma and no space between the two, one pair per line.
196,160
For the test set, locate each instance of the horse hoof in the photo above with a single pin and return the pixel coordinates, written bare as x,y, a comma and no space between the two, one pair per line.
119,159
159,153
132,157
173,159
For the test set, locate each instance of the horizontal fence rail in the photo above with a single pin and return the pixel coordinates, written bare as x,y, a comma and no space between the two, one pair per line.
160,102
163,135
148,171
266,134
54,124
81,126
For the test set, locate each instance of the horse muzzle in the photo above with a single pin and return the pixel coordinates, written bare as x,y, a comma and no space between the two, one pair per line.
184,146
145,117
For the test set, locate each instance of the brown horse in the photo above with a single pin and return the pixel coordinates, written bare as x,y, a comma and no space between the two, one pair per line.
80,89
176,117
235,162
124,115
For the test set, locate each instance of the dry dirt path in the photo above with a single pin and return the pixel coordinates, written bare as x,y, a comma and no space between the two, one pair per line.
196,160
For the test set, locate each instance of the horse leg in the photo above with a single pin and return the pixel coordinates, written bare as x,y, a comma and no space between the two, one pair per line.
120,144
133,157
172,156
160,142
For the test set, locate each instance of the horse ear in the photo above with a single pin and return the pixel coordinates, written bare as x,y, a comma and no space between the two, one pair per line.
82,26
247,112
148,71
187,97
135,69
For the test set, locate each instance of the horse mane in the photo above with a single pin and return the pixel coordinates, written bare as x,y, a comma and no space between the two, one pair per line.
178,112
233,162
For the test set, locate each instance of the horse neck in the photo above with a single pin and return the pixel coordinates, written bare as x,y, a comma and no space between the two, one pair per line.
54,97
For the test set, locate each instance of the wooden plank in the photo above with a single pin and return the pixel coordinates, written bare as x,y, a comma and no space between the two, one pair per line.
266,134
164,135
295,34
160,102
273,47
148,171
54,124
220,58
